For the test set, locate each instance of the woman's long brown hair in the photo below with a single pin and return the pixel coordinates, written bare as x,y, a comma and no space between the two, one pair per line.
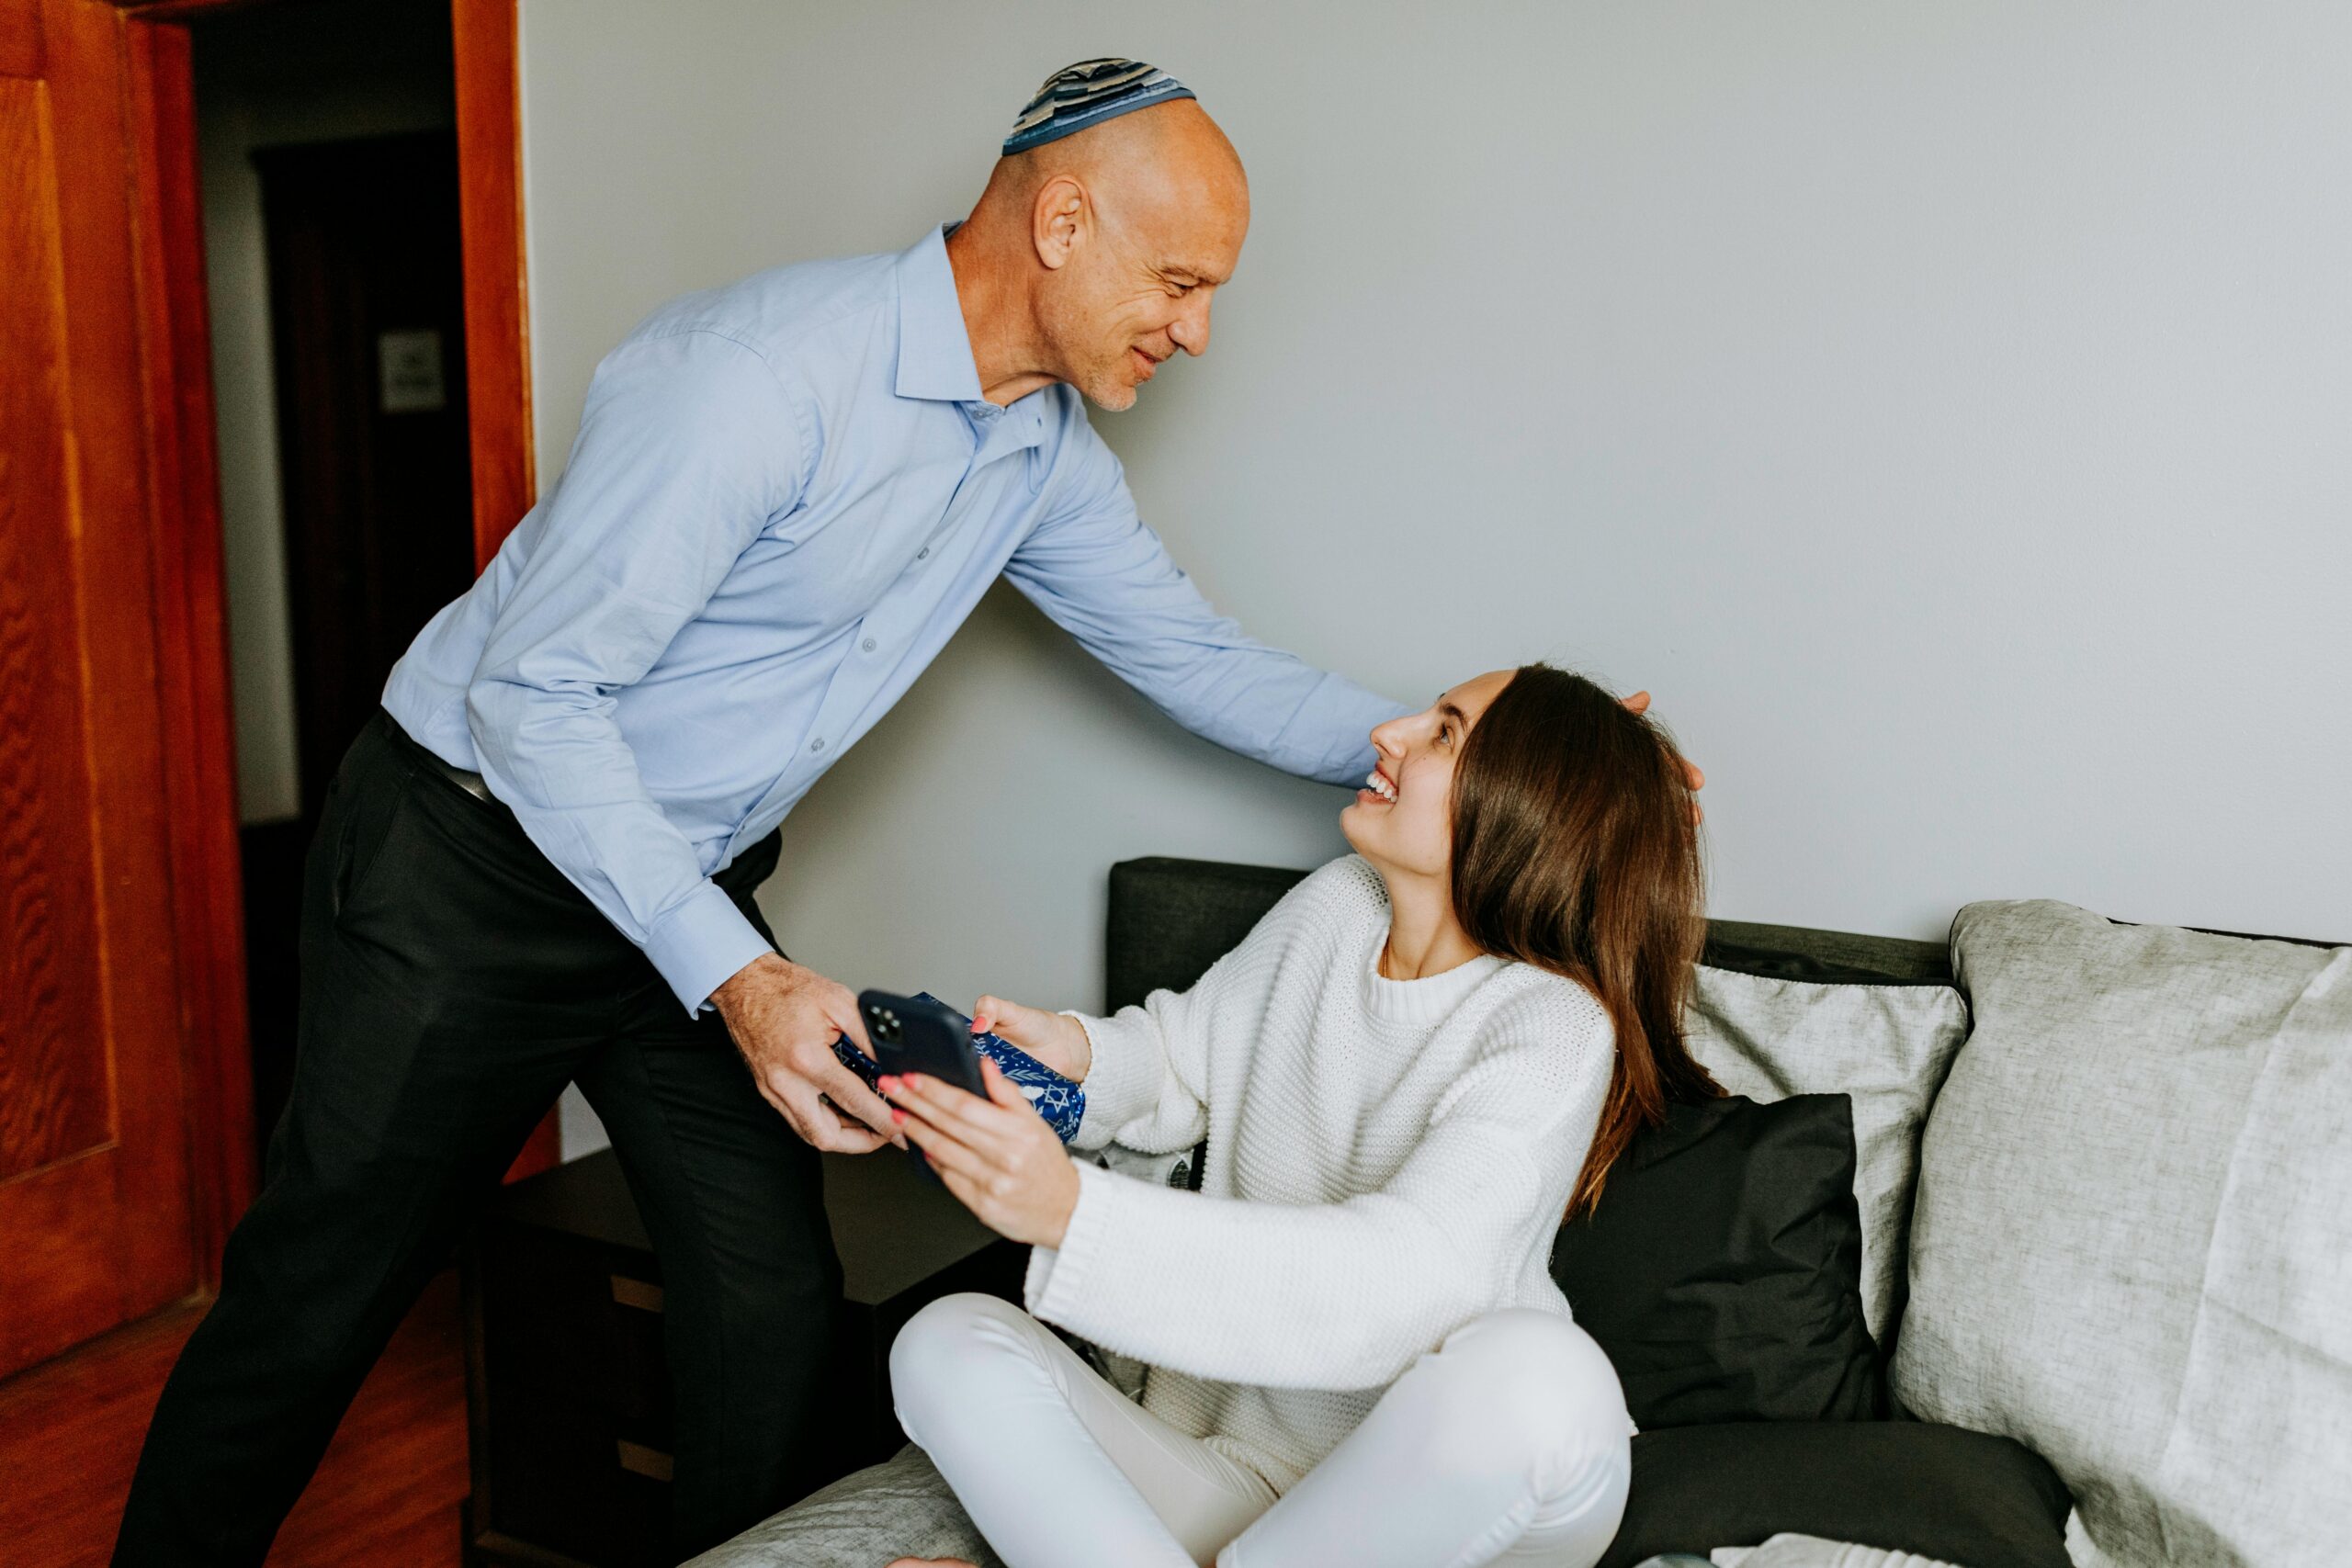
1576,850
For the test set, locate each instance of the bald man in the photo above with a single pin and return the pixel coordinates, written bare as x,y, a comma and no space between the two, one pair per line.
537,866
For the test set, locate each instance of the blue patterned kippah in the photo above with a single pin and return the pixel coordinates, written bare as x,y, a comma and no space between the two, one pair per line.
1088,93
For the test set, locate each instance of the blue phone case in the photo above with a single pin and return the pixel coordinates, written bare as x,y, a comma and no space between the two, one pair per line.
1061,1102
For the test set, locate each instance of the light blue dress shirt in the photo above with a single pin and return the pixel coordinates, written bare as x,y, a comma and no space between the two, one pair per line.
785,496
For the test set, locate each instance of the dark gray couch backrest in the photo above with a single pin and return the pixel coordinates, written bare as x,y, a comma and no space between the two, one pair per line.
1169,919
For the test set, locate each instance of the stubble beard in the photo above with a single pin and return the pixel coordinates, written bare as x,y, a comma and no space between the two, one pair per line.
1114,396
1104,381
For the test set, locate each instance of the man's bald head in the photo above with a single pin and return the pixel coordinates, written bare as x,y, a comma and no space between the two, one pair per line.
1147,164
1103,246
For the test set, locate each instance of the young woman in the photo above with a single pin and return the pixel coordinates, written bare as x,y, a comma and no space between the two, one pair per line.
1423,1058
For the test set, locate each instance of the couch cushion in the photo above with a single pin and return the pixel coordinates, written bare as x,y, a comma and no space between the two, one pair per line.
1899,1482
1902,1485
2131,1247
1721,1270
902,1507
1769,1022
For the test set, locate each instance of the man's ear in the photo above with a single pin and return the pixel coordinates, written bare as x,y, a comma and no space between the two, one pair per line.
1060,221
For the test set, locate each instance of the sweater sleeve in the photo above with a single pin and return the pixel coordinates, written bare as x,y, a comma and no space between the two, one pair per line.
1345,1295
1146,1087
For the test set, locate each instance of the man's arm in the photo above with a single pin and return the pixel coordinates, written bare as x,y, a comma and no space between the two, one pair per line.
687,446
1103,576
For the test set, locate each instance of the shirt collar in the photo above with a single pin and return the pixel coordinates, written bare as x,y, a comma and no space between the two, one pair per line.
934,351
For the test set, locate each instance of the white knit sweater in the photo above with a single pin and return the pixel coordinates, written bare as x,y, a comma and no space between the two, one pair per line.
1386,1161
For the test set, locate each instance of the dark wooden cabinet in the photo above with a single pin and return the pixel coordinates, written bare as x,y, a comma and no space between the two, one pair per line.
566,1387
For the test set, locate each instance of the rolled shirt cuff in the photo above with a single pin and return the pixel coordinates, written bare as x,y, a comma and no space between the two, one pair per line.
700,944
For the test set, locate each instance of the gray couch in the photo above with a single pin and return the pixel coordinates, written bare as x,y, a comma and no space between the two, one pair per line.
2105,1179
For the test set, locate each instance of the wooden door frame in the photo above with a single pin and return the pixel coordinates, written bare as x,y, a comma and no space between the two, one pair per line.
167,193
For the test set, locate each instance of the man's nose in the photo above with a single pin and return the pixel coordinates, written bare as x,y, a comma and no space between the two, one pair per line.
1191,331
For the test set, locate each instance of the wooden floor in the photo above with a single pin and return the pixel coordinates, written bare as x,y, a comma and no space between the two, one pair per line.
387,1494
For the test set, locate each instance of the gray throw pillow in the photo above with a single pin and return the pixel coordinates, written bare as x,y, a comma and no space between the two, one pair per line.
2132,1245
1887,1047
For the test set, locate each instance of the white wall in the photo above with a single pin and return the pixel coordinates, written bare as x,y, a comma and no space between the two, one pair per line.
1946,408
286,75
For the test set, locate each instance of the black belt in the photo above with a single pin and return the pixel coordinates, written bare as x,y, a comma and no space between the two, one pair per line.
470,783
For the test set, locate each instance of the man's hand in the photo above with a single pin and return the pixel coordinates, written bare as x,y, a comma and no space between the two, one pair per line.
784,1020
1639,703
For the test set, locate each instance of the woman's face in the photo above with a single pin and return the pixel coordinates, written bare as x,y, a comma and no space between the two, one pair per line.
1402,820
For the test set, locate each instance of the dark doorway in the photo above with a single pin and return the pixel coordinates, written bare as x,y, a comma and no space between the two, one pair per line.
337,289
367,317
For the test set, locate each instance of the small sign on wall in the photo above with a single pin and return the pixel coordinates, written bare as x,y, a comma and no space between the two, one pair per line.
408,368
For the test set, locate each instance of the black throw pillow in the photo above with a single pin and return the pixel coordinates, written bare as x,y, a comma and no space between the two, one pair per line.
1722,1269
1940,1492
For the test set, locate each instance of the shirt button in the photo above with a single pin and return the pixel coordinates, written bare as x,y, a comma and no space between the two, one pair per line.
816,745
870,645
923,553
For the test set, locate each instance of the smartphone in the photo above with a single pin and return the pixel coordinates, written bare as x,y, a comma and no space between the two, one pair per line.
1061,1102
918,1034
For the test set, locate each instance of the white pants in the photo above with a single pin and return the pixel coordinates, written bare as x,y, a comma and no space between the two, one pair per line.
1506,1444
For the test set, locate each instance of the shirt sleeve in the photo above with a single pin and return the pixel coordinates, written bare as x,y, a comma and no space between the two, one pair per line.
1103,576
688,445
1341,1295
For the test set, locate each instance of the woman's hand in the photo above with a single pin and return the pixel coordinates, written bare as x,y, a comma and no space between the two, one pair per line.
996,1155
1056,1039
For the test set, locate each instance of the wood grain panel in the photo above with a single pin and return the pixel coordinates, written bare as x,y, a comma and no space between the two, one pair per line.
20,36
113,582
104,1233
192,626
498,333
53,1092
